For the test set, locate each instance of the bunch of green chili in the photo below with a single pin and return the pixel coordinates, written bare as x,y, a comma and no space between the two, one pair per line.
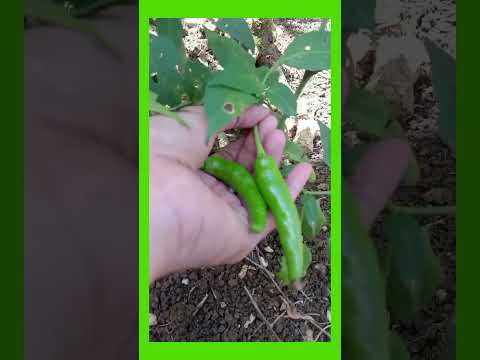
267,188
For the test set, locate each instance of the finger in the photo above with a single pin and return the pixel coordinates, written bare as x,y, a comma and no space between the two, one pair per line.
296,180
243,150
248,153
377,175
274,144
249,118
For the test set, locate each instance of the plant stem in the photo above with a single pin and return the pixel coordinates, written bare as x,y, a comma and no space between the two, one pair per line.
424,211
258,142
324,193
270,71
308,74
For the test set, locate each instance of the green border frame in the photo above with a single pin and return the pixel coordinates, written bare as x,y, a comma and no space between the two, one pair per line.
302,9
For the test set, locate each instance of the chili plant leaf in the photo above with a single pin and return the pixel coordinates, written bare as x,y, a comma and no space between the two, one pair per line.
194,81
280,96
167,56
362,284
414,269
286,169
272,78
398,350
239,30
246,82
294,151
325,137
155,106
312,217
310,51
367,112
229,53
358,14
444,86
222,105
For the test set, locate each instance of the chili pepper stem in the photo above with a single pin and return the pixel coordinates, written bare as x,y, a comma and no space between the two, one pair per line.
258,142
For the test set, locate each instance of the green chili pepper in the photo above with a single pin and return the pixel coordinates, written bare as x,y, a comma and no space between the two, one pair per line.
274,189
239,179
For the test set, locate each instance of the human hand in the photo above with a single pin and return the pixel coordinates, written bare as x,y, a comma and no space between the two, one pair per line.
195,220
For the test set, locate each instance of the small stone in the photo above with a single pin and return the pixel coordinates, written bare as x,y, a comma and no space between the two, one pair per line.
152,319
223,305
441,295
324,228
263,261
185,281
268,249
329,316
249,321
243,271
309,334
232,282
321,268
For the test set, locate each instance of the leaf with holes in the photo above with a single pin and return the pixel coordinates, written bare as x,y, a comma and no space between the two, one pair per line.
194,81
222,105
444,86
312,217
362,284
325,137
358,14
294,152
272,78
414,269
239,30
246,82
310,51
167,56
229,53
280,96
368,113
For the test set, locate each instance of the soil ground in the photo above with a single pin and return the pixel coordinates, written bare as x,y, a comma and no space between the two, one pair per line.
244,302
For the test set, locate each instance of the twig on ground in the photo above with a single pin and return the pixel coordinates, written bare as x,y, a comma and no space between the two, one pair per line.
200,304
264,319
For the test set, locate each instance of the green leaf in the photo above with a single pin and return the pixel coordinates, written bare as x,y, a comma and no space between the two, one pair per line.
280,96
239,30
195,80
286,169
398,350
364,317
358,14
155,106
246,82
167,57
229,53
367,112
312,217
325,137
222,105
444,86
414,269
310,51
294,151
272,78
